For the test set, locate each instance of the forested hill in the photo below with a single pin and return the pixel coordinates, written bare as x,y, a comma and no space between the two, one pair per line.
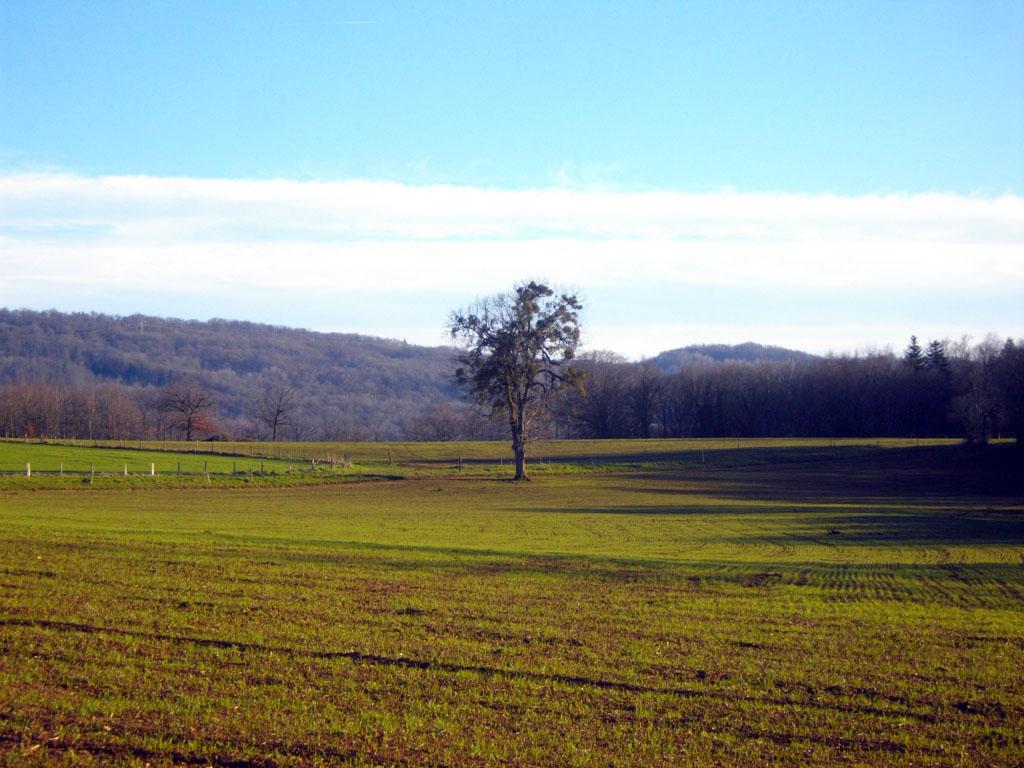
348,385
676,359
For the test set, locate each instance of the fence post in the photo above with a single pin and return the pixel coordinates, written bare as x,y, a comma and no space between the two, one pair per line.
206,469
152,469
389,454
28,470
126,470
179,468
92,473
62,469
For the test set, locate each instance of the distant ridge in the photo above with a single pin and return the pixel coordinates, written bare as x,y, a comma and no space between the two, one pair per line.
351,385
673,360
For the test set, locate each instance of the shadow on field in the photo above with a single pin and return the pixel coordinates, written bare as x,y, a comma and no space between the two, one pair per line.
850,524
721,454
915,529
944,473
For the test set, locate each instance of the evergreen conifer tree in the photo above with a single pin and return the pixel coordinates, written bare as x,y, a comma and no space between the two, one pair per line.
935,357
913,354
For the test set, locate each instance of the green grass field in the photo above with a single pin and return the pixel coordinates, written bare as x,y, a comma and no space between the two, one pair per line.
179,463
111,459
65,465
559,451
780,603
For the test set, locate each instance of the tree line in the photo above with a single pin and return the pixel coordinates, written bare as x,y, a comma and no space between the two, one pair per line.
950,389
188,410
941,388
947,389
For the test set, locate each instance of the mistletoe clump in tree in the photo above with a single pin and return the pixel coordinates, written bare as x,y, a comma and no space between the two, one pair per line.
516,353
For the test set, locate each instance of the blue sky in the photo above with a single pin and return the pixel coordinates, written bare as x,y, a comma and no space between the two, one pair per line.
784,135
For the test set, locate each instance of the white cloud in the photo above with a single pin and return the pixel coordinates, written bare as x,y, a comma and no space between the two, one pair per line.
218,237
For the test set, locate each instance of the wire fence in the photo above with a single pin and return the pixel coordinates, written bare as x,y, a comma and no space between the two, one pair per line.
123,470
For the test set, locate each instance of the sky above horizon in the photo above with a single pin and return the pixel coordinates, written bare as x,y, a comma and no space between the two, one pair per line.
824,176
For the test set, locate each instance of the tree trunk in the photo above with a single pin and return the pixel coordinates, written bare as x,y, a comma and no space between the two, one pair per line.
520,452
518,425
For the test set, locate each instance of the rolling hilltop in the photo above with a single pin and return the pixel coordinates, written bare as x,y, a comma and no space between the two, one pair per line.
348,385
673,360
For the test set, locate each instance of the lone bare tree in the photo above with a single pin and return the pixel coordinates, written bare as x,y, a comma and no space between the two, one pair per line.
188,404
516,350
276,406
